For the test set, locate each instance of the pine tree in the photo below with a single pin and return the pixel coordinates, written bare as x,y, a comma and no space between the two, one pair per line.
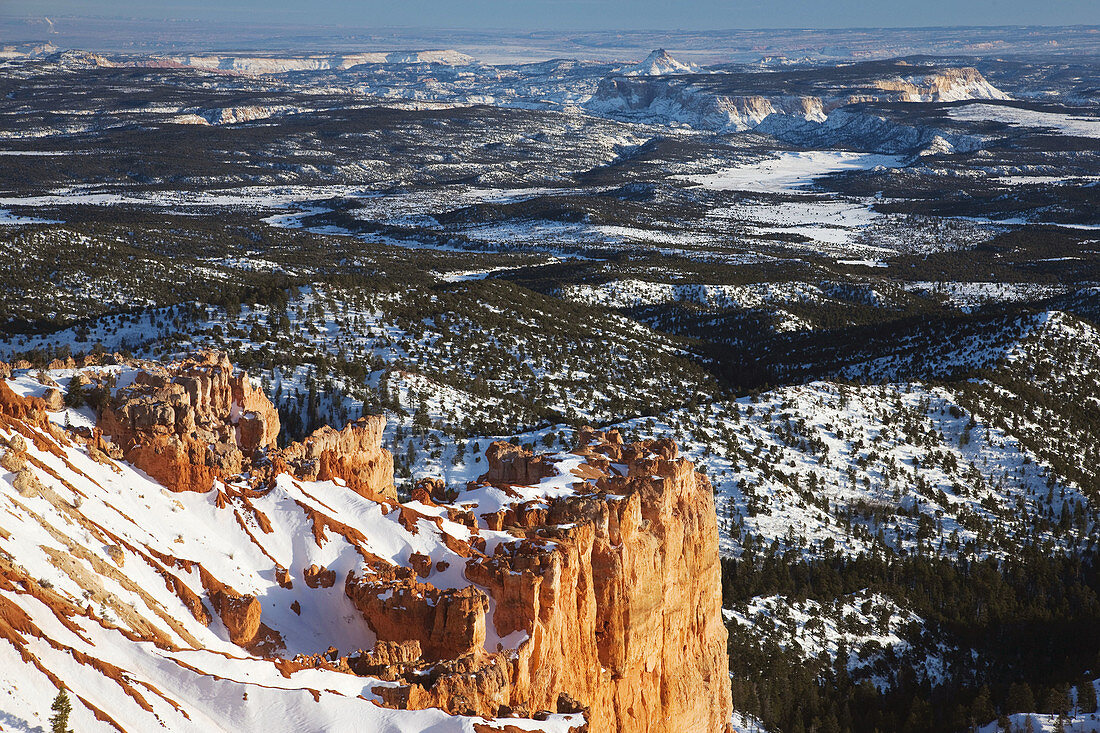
59,721
74,396
1086,695
1020,698
981,710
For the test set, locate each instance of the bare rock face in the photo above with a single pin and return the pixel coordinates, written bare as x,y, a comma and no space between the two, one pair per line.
387,660
445,623
353,455
54,400
240,613
318,577
510,464
14,459
615,592
192,422
27,484
175,464
13,406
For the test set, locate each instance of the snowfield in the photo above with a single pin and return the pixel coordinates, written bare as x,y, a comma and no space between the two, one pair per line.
1063,124
791,171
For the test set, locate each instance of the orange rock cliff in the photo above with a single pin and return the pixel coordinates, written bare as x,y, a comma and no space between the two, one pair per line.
586,581
614,588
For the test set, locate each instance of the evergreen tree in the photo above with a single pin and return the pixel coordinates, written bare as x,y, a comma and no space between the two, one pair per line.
74,396
981,710
1086,695
1058,700
61,707
1020,698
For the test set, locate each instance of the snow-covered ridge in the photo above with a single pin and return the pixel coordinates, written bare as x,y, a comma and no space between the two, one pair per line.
245,64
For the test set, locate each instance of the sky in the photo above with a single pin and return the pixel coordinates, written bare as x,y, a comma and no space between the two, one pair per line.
584,14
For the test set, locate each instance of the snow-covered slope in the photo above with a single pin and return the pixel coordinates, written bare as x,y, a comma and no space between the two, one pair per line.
102,571
248,583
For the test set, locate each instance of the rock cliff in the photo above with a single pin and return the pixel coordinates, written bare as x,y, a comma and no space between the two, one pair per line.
612,586
810,110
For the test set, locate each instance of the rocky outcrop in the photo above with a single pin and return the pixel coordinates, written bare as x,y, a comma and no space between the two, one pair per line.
948,85
584,582
387,660
189,423
30,409
510,464
353,455
446,624
614,592
54,400
241,616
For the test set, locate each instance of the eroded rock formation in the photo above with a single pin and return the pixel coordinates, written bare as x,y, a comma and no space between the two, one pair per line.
352,455
615,592
580,582
189,423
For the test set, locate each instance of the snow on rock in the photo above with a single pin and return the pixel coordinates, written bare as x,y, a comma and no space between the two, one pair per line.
235,115
949,85
665,98
285,591
658,63
245,64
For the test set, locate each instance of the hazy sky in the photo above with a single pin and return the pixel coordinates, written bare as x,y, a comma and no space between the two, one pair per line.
586,14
